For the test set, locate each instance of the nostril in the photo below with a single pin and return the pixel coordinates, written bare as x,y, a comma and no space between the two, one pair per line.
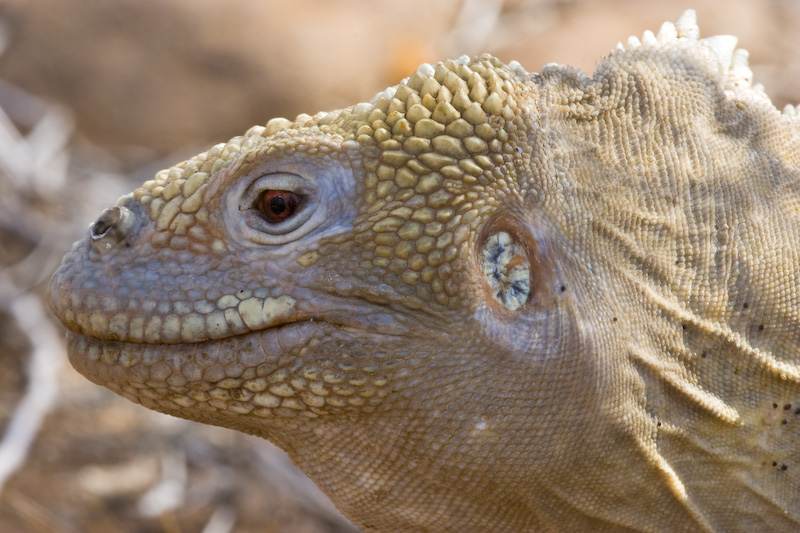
110,228
105,222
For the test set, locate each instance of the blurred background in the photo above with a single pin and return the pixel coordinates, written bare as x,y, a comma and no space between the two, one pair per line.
97,95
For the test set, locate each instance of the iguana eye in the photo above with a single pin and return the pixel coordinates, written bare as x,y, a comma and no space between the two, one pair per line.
277,206
267,206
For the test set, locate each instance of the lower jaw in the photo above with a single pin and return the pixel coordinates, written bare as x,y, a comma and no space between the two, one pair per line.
236,382
166,377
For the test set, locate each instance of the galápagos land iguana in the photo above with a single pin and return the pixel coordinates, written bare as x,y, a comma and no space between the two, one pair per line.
485,300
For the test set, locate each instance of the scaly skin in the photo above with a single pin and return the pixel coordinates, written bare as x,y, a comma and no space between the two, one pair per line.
504,302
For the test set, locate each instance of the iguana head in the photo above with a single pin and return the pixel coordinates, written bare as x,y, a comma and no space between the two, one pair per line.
406,220
414,296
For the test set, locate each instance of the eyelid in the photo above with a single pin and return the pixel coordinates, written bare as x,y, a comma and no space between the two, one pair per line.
278,181
261,231
331,199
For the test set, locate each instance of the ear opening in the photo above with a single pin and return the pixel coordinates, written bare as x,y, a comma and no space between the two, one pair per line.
513,266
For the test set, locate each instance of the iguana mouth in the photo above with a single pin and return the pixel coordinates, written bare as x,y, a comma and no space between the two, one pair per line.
95,348
91,354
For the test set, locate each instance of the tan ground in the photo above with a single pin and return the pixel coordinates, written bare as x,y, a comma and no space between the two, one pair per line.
96,96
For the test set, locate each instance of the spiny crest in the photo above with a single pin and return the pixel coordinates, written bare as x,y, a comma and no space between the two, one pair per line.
731,63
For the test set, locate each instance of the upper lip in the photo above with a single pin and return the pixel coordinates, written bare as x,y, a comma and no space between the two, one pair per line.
380,331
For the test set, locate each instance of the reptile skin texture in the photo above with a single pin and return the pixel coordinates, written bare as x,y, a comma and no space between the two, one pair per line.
486,300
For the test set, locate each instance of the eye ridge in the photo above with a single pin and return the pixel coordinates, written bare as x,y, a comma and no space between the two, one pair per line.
277,205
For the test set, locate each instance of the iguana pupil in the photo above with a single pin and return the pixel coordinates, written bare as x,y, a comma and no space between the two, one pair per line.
278,205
